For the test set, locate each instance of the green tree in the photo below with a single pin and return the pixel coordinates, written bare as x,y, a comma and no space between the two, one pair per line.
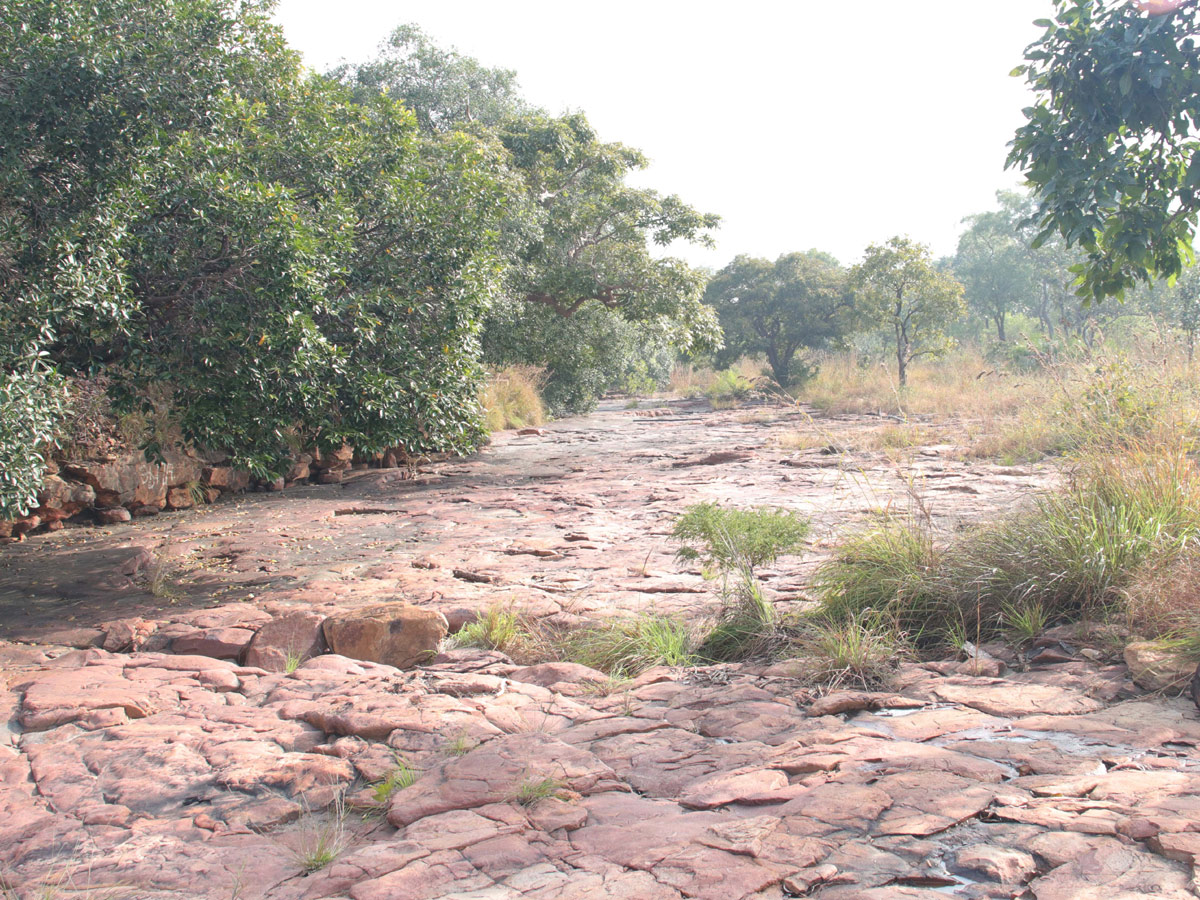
800,301
1109,144
184,208
897,287
576,234
445,89
995,264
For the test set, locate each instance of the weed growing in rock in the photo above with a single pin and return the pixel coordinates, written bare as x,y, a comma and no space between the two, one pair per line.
461,745
502,630
856,651
731,543
323,839
401,776
889,570
292,661
1023,621
727,540
1075,553
611,685
532,789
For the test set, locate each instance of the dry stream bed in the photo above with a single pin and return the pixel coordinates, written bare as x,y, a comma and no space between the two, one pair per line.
168,772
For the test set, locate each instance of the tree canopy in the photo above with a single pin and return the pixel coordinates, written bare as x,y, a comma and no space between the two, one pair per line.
800,301
185,209
1110,143
576,234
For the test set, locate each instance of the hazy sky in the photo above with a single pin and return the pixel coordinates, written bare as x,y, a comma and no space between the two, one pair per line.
812,124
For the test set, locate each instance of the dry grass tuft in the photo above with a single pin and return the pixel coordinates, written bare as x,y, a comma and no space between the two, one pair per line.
512,398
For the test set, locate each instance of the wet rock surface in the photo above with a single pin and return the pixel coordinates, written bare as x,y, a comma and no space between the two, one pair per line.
152,767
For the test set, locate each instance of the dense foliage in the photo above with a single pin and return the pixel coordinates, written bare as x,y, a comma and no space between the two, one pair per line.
282,259
577,237
1110,143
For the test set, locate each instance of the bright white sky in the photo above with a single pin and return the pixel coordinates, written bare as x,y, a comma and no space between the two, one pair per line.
827,125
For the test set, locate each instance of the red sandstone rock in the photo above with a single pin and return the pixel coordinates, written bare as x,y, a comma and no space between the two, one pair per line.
287,641
396,634
219,643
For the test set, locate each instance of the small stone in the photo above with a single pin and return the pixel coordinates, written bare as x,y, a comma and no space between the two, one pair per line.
287,641
180,498
115,516
219,643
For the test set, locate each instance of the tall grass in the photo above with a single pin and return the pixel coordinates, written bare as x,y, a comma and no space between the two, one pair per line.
961,383
1071,555
889,571
512,398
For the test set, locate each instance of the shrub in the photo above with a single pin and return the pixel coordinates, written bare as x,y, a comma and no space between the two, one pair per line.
728,387
502,630
401,776
727,540
890,571
511,398
32,404
853,651
746,627
1075,553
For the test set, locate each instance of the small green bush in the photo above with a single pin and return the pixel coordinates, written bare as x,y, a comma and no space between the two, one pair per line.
726,540
729,386
497,629
1072,555
855,651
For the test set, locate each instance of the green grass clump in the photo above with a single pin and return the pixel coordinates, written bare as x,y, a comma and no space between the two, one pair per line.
626,647
401,776
857,651
891,572
729,386
731,543
746,627
532,789
726,540
323,838
498,629
1074,554
512,398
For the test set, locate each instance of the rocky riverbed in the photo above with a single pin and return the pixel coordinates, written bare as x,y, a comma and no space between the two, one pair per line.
185,760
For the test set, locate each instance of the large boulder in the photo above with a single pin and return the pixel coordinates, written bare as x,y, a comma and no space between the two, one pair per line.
1155,668
286,641
396,634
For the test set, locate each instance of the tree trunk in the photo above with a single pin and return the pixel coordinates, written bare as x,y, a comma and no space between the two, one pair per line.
902,355
780,367
1000,327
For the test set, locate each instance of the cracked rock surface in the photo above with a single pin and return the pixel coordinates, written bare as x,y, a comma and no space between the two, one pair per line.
171,754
